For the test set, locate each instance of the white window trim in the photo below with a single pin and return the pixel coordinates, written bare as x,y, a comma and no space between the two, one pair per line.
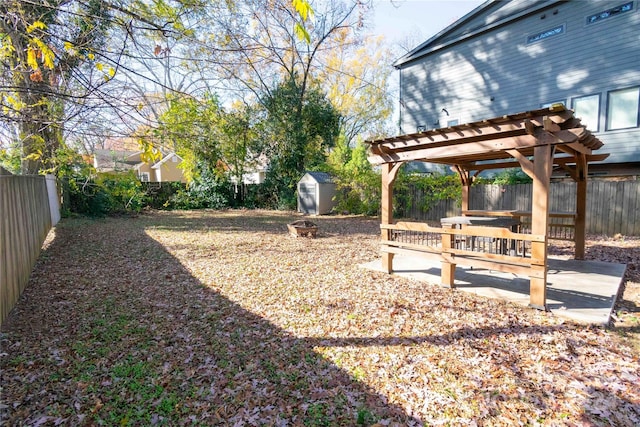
589,125
608,116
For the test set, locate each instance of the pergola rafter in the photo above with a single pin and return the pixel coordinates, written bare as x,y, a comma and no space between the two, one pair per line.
535,141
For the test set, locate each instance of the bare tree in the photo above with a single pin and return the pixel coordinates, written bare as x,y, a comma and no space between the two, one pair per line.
59,59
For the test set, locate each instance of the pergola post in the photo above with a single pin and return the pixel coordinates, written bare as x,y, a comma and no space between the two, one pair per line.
465,180
465,198
581,206
542,167
386,211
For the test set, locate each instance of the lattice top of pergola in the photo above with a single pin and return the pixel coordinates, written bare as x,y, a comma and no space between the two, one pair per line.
500,142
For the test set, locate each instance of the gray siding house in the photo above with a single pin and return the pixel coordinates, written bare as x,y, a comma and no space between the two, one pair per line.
506,57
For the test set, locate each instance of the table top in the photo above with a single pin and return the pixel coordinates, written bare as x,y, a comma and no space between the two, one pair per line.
515,213
480,220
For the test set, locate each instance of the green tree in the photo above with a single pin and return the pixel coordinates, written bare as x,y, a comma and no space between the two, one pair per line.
505,177
358,184
191,128
203,133
241,143
300,130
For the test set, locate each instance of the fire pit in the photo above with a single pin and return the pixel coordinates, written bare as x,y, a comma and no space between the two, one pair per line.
302,228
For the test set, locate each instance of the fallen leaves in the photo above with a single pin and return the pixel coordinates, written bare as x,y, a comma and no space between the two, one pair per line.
222,318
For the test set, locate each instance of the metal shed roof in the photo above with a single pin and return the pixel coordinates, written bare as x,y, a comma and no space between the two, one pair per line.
320,177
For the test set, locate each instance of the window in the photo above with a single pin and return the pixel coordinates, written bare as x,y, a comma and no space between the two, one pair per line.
627,7
421,128
622,108
546,34
144,176
587,108
174,158
453,122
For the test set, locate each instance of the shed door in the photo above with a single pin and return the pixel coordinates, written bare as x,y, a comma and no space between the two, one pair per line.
307,197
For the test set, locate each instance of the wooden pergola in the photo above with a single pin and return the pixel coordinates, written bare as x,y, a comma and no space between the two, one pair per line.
534,141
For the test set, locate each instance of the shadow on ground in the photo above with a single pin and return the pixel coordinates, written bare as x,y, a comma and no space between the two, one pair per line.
112,329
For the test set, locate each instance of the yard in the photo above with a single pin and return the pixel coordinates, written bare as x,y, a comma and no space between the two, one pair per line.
222,318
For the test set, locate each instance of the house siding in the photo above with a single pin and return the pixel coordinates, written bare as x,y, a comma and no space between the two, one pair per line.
171,172
498,72
146,168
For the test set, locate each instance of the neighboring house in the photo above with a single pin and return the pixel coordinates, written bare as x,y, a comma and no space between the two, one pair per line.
164,170
256,171
113,160
506,57
255,176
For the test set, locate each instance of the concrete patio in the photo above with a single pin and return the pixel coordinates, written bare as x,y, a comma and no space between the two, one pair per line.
583,291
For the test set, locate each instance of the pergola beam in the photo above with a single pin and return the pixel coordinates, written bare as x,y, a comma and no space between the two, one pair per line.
525,163
564,162
513,125
466,148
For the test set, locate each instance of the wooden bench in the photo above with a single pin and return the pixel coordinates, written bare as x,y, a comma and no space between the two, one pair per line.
420,239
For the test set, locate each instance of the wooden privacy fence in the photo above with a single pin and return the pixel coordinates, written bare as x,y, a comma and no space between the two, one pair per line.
26,216
612,206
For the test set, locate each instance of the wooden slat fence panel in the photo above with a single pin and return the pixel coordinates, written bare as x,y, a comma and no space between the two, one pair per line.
612,206
593,208
634,205
410,206
25,220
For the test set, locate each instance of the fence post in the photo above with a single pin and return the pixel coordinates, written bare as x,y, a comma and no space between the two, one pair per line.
54,198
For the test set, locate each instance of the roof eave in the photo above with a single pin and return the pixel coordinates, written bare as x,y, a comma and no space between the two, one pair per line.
420,51
165,159
441,33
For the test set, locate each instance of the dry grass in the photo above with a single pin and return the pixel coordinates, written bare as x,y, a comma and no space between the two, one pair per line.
205,318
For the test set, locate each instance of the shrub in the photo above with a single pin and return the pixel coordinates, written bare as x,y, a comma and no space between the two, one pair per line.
208,190
159,195
427,190
506,177
105,194
358,185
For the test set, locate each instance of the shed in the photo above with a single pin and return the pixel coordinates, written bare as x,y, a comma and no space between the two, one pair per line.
315,193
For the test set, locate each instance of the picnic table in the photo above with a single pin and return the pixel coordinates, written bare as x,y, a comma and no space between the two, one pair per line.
480,243
486,221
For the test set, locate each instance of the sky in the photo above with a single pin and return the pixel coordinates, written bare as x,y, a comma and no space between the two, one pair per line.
417,19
